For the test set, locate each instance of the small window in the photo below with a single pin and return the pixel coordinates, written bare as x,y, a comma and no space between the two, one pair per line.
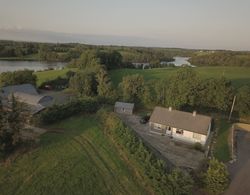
157,126
179,131
123,109
197,136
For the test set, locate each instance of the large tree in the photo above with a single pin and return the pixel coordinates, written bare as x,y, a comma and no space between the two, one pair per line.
132,88
104,87
111,59
11,123
84,83
243,101
87,59
182,88
215,93
216,177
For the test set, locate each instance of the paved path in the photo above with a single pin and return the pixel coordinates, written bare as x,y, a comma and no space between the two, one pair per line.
178,154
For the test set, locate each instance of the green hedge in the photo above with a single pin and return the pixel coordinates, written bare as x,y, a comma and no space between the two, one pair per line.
60,112
175,182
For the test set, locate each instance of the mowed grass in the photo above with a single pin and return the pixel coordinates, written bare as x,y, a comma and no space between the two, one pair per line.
81,160
221,148
238,75
50,75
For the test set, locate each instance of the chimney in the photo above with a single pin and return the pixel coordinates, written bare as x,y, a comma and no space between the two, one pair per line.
194,113
170,108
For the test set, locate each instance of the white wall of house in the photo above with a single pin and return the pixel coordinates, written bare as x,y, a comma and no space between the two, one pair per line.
185,136
122,110
189,136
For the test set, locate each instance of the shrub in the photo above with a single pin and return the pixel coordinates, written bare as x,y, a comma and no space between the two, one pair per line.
198,146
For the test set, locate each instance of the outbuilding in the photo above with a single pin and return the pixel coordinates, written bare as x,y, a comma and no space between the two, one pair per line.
26,93
124,108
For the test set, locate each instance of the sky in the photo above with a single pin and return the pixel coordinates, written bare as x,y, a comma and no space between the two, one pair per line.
203,24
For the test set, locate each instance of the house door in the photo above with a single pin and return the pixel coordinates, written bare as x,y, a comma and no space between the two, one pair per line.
169,131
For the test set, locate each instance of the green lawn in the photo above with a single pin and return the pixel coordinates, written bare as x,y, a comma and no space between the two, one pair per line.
50,75
79,161
221,149
238,75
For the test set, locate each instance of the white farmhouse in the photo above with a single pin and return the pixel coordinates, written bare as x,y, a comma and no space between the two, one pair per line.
182,126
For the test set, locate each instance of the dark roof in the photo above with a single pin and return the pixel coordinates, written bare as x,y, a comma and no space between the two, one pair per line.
28,98
183,120
124,105
24,88
28,94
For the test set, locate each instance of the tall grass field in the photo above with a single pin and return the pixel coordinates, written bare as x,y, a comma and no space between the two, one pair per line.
79,160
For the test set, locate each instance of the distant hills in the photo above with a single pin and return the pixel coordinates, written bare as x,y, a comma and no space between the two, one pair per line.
54,37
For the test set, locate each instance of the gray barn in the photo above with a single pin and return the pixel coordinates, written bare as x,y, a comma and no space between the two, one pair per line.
27,94
124,108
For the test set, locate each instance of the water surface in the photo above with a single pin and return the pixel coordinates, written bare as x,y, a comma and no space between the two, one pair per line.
31,65
181,61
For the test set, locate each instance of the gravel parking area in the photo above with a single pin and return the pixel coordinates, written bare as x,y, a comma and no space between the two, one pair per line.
178,154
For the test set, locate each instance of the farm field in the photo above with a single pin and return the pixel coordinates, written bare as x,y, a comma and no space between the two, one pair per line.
238,75
79,160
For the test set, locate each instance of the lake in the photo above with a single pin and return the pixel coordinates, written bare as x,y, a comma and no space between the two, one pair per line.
31,65
179,61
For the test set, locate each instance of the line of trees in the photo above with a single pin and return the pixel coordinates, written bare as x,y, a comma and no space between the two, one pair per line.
17,77
176,182
221,58
11,123
185,90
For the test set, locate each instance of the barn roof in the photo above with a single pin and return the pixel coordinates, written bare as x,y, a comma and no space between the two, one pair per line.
184,120
28,98
24,88
25,93
124,105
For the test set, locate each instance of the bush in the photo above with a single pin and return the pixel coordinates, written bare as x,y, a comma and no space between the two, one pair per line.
198,146
216,177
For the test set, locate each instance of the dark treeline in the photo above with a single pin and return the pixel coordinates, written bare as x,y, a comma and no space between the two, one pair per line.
17,77
12,122
112,56
221,58
185,90
119,56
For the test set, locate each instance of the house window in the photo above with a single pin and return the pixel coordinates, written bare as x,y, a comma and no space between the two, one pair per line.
123,109
196,136
179,131
157,126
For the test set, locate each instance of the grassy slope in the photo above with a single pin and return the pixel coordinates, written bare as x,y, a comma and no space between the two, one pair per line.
78,161
221,149
50,75
238,75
